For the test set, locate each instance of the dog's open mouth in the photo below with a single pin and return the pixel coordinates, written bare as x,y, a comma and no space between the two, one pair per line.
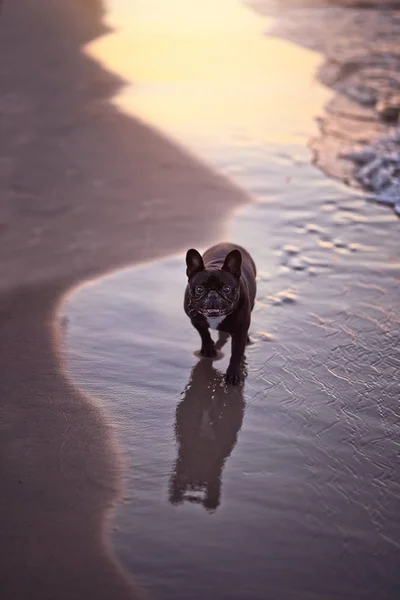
213,312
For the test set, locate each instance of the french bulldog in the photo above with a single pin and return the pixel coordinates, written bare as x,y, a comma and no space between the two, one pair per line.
220,295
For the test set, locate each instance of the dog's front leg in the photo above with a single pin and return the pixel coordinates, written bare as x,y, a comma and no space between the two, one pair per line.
239,340
207,345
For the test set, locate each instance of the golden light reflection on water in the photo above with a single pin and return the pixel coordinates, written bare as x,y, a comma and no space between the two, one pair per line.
206,69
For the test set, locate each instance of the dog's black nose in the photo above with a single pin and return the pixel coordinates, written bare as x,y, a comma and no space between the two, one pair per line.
212,295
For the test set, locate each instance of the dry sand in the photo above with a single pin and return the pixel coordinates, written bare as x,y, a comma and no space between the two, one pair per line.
84,190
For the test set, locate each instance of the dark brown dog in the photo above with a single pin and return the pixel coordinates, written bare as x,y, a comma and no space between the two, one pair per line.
220,295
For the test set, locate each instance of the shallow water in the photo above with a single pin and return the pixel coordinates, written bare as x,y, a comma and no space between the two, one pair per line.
361,45
288,486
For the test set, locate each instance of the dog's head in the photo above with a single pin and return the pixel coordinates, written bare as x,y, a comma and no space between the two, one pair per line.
214,292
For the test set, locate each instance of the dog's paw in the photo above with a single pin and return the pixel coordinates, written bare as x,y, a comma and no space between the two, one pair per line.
232,375
208,351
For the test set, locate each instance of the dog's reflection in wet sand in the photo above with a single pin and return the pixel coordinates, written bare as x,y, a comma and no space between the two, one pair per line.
207,423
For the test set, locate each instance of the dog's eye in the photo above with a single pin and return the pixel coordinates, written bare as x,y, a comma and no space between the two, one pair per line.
226,289
199,289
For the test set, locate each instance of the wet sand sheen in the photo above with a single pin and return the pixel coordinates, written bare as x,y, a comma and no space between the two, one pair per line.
287,487
210,77
304,482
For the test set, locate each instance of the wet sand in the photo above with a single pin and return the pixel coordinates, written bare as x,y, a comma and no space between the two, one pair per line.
85,189
287,486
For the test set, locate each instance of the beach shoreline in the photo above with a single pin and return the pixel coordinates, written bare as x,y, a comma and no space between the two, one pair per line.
85,190
359,128
89,190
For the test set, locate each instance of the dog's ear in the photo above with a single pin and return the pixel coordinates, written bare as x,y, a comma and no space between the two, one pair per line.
233,263
194,262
